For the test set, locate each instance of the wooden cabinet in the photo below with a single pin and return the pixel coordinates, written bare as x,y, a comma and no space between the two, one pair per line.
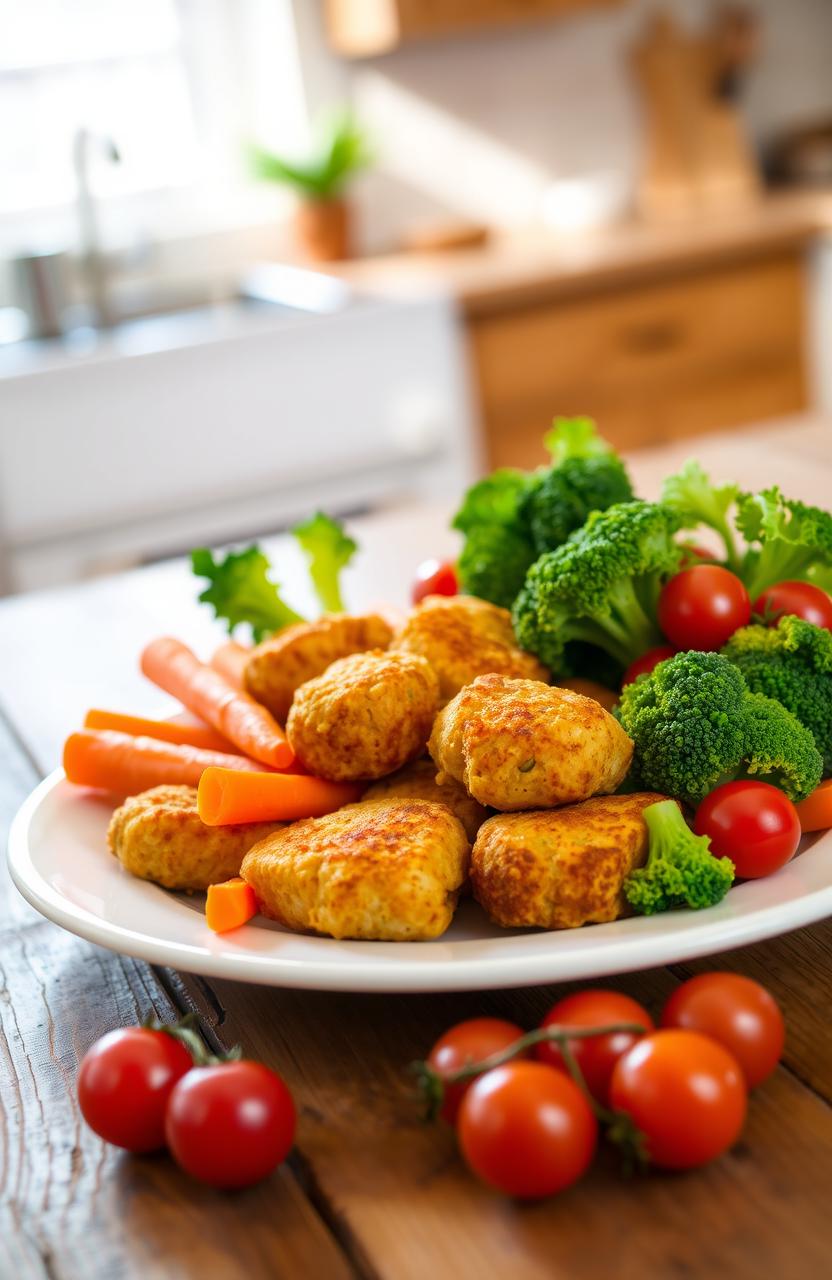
362,28
694,352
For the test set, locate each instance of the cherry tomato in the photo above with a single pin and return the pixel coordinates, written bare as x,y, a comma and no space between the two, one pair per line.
435,578
527,1130
803,599
124,1084
735,1011
701,607
647,662
597,1056
470,1041
753,824
230,1125
686,1094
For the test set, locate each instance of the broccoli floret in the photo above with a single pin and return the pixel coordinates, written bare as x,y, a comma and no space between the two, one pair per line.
697,502
791,662
601,587
328,550
494,562
789,539
240,590
565,495
680,871
695,724
494,500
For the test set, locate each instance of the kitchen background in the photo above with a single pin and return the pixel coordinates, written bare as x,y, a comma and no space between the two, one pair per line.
616,207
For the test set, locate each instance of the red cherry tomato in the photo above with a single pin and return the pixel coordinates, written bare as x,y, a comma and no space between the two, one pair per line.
470,1041
124,1084
803,599
701,607
647,662
435,578
753,824
230,1125
686,1094
527,1130
597,1056
735,1011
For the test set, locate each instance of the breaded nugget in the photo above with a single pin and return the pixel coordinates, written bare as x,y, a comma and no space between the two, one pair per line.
365,717
562,868
278,666
417,781
159,836
462,638
521,744
385,869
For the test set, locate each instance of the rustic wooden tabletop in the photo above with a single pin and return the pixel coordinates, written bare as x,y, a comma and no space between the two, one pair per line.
369,1191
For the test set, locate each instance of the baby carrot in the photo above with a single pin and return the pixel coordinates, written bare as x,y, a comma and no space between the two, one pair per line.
230,660
227,796
115,762
230,904
209,695
189,735
815,812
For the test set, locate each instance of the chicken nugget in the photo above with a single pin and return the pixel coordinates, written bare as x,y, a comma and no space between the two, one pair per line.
417,781
521,744
389,870
366,716
462,638
561,868
278,666
160,836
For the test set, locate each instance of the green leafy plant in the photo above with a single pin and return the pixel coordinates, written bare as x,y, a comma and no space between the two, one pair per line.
340,151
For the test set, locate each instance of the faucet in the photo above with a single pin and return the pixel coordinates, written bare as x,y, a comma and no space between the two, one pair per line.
93,260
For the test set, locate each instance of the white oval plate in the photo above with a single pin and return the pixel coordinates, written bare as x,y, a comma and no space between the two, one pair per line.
59,861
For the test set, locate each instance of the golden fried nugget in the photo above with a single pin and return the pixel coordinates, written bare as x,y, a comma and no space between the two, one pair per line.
365,717
389,870
278,666
562,868
159,836
462,638
521,744
417,781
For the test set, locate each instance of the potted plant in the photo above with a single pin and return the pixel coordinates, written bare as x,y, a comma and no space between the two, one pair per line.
323,216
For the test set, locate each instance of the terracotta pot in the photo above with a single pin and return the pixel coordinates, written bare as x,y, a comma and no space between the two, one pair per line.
322,229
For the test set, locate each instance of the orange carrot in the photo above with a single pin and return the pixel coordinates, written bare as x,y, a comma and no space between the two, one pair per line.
227,796
815,812
209,695
115,762
229,905
230,660
189,735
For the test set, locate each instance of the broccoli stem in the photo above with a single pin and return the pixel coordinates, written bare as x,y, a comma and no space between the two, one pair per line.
761,569
327,589
721,526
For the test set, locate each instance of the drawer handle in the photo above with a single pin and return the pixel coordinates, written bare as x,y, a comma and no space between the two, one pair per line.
649,338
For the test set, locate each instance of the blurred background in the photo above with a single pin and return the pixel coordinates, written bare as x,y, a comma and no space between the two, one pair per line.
259,256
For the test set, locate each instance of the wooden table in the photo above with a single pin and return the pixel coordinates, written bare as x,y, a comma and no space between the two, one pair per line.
369,1191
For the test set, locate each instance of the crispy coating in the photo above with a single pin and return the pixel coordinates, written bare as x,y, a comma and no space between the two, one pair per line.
159,836
417,781
562,868
462,638
278,666
388,870
365,717
521,744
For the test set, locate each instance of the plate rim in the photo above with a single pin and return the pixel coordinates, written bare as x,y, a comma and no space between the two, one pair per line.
482,973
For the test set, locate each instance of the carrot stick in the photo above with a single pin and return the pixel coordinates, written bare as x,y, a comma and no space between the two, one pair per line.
227,796
230,660
115,762
204,691
230,904
815,812
189,735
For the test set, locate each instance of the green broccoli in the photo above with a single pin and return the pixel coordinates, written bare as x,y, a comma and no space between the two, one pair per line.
493,563
494,500
695,724
789,539
601,587
680,871
791,662
698,502
328,550
240,590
